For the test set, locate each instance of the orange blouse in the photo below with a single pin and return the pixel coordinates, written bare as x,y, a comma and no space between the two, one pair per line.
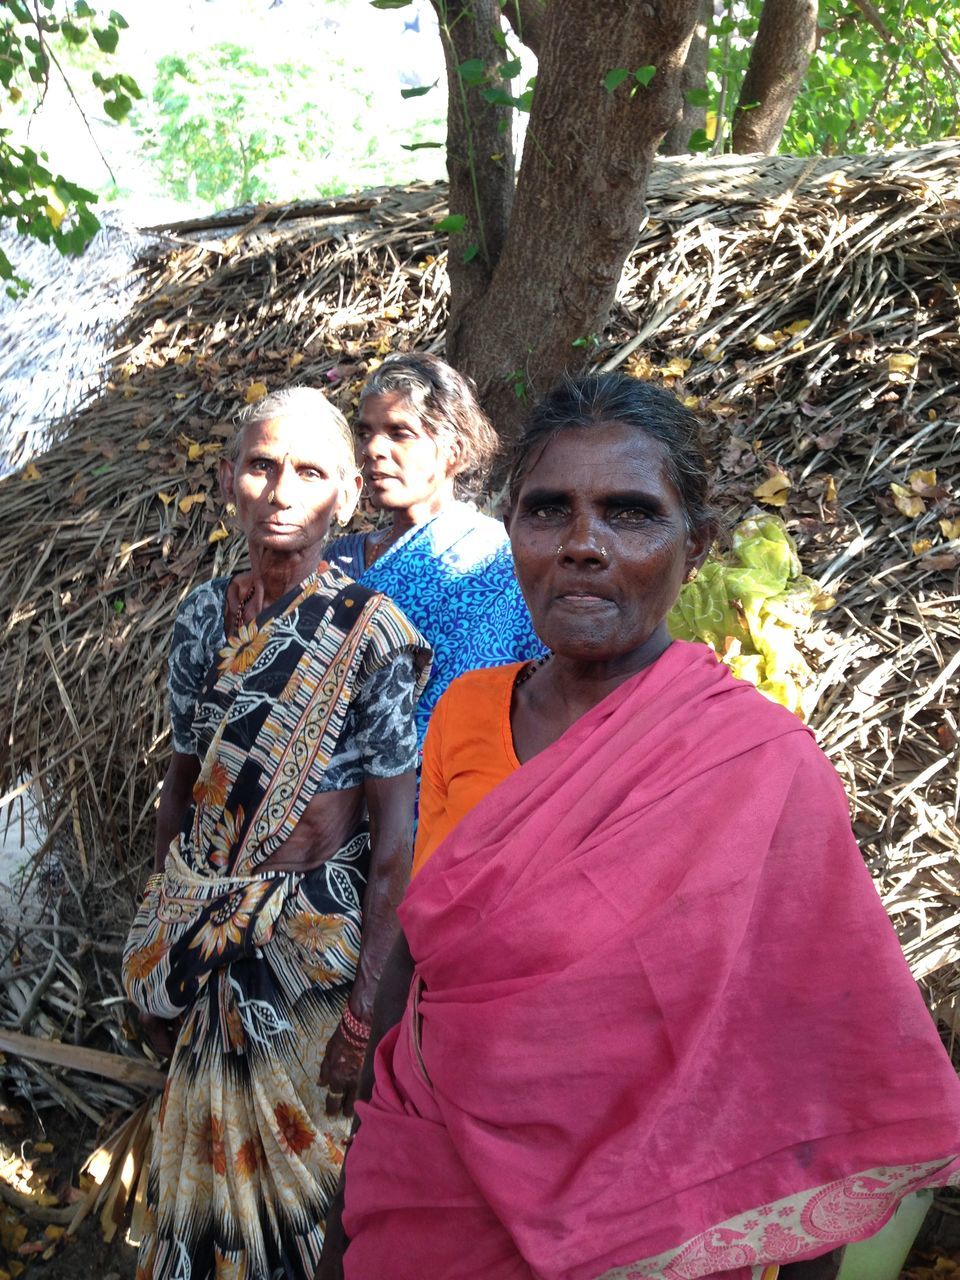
467,752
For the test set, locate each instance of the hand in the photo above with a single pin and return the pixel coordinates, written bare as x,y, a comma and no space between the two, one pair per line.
339,1072
161,1033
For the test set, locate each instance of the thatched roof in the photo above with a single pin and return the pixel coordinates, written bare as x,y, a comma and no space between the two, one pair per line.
817,306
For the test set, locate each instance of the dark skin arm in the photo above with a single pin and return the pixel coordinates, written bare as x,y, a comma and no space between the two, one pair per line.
390,804
388,1009
175,794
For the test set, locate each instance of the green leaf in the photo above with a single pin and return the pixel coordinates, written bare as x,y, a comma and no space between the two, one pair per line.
698,97
643,75
117,108
82,9
117,20
470,252
499,97
525,101
390,4
419,146
72,33
473,71
419,91
107,38
615,77
699,141
510,69
579,342
453,223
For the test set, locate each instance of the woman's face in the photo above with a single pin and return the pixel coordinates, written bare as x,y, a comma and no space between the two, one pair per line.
402,464
600,544
286,485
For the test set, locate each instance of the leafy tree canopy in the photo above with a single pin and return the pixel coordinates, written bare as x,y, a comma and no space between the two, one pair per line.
33,40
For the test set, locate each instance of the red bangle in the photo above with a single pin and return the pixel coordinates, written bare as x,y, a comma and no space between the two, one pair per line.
354,1029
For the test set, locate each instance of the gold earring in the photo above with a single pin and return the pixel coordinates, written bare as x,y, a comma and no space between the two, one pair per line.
692,575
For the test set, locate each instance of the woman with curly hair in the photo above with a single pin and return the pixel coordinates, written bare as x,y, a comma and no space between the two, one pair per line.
424,446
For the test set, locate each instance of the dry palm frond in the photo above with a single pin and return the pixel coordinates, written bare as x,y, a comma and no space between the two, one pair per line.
810,309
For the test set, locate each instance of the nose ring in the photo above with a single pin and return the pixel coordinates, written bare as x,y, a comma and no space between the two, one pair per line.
603,553
560,550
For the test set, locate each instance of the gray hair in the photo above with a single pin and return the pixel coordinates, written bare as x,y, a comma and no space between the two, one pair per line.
307,404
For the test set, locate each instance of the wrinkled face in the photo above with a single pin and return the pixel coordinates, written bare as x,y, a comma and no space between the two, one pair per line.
402,464
602,496
286,484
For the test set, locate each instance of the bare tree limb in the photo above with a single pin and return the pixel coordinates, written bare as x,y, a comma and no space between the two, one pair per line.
480,157
786,39
677,139
526,17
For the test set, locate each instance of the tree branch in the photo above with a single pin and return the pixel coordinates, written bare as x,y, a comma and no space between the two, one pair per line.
480,158
786,39
677,139
580,194
526,17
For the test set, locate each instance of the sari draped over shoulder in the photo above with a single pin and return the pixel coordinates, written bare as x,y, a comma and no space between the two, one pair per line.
258,964
660,1026
453,577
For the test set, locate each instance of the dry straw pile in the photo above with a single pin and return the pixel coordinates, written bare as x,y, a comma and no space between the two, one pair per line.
811,309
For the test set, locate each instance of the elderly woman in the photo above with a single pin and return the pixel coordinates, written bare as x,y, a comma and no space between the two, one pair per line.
424,445
262,939
648,1018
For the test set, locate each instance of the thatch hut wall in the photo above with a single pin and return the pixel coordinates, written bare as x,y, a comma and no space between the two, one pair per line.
811,308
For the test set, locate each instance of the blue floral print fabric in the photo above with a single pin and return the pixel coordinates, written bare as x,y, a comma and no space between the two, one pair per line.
453,578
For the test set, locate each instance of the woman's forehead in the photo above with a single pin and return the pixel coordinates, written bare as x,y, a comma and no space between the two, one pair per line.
607,451
302,439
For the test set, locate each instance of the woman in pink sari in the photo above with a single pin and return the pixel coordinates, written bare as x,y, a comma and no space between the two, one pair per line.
648,1018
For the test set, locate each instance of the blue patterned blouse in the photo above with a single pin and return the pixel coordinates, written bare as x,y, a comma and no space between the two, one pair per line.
453,578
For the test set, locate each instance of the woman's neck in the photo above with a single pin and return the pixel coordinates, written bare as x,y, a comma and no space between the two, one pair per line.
406,518
278,571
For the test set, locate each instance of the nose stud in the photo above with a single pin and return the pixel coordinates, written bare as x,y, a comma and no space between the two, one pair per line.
560,551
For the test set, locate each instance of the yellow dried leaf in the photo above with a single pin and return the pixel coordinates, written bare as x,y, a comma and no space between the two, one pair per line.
641,367
775,490
920,546
165,498
901,362
182,358
197,451
922,482
219,533
46,1147
191,500
256,391
295,360
797,326
830,490
931,415
393,312
675,368
764,342
53,1232
143,446
950,528
712,353
383,347
691,402
907,503
30,472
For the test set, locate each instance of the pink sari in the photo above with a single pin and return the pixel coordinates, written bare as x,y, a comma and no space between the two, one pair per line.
661,1025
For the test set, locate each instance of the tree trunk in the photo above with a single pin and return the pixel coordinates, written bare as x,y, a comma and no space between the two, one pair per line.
480,159
676,142
786,39
579,198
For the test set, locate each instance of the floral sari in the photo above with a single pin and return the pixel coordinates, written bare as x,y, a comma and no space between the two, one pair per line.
258,964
